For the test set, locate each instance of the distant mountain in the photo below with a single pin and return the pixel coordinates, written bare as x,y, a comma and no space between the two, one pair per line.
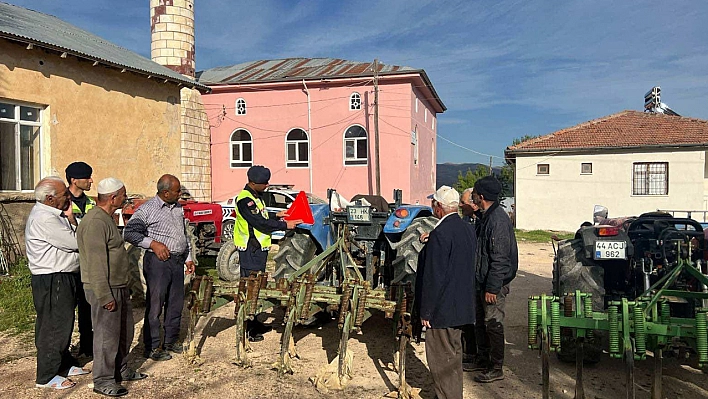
447,172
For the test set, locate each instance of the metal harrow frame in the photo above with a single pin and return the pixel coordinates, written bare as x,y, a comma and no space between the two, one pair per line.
301,296
633,327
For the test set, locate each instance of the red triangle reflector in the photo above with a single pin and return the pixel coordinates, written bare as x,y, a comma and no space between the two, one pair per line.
300,209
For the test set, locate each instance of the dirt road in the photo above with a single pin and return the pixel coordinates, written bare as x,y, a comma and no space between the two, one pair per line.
217,377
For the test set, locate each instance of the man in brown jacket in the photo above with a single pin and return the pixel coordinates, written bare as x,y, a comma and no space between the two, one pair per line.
104,273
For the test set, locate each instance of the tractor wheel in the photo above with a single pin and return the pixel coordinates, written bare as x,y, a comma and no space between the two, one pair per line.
227,231
227,263
295,251
408,248
576,272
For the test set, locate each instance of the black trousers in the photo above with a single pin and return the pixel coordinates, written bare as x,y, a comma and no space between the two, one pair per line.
165,290
114,334
253,259
489,328
84,318
469,343
54,297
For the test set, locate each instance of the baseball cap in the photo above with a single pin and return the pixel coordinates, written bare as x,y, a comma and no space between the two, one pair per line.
447,196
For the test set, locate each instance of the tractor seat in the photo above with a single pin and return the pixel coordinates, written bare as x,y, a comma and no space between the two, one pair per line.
377,202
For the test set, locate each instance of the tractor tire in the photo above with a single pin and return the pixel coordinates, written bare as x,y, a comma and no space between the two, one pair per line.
227,231
295,251
576,272
408,248
227,262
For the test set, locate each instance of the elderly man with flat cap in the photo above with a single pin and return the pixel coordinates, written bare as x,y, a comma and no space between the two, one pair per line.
252,233
104,272
78,177
496,263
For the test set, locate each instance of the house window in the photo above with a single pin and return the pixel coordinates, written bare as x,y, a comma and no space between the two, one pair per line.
650,178
20,129
543,169
433,124
355,147
240,106
416,105
297,149
241,149
426,116
414,141
355,102
586,168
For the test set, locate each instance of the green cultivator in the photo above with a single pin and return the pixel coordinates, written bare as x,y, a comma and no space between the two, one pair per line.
665,261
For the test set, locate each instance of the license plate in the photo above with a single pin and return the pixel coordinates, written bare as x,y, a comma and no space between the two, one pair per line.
359,213
610,250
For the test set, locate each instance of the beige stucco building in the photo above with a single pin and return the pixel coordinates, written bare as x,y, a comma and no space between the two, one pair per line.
68,95
630,162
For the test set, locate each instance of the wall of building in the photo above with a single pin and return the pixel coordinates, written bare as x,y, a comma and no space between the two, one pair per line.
196,148
564,198
271,113
423,172
122,124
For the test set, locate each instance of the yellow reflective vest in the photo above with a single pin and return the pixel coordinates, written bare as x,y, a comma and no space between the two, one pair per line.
90,203
241,232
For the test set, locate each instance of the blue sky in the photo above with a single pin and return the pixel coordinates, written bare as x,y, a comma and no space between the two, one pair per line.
503,68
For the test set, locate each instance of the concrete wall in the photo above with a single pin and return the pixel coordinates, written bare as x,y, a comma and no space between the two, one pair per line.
196,146
122,124
273,111
563,199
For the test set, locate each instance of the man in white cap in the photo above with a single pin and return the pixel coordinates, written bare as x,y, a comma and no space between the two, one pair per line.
444,294
104,272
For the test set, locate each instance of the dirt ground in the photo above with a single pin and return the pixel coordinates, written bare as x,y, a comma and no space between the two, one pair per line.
217,377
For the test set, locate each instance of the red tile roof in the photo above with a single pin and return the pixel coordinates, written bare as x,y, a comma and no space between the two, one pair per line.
626,129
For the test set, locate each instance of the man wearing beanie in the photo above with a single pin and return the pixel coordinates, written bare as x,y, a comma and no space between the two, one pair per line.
252,233
497,261
104,272
78,178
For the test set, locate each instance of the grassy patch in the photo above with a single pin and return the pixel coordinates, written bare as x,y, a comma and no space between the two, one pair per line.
17,313
541,235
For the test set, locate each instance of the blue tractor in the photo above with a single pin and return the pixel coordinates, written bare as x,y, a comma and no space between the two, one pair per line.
381,240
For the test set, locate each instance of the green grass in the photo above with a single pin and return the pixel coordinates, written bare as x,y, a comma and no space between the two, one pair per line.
541,235
17,313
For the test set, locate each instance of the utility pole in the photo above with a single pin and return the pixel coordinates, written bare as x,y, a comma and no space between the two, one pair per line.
490,166
376,126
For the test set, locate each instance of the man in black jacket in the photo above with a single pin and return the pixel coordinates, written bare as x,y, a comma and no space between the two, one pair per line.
496,263
443,293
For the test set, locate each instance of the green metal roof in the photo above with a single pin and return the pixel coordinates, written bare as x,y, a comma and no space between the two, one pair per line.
42,30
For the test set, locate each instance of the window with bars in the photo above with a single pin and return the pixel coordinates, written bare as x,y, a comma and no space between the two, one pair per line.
20,149
650,178
240,106
355,146
241,149
355,102
297,149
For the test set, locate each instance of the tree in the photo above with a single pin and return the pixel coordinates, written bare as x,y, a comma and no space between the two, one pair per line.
467,181
525,137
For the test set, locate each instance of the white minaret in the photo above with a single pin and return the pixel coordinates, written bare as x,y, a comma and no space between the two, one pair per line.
172,27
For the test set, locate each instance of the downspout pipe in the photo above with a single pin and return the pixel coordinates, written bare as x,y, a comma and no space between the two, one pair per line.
309,132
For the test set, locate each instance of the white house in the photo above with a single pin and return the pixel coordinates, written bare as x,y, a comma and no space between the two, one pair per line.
631,162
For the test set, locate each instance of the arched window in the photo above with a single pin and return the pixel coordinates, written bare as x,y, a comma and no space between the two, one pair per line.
297,149
355,147
241,149
355,102
240,106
